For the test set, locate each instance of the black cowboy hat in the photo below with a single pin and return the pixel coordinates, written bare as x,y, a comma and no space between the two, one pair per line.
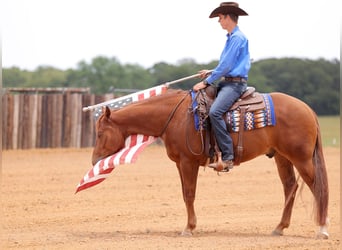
228,8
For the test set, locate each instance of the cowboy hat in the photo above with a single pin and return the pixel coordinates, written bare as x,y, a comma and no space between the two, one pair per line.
228,8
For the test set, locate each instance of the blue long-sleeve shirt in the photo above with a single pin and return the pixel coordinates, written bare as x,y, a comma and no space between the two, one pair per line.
234,60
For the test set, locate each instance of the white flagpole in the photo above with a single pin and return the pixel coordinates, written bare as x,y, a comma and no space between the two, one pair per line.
167,84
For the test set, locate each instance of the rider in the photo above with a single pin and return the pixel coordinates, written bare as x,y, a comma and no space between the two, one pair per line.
232,70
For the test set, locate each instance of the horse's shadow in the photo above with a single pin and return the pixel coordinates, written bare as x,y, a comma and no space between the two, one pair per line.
175,234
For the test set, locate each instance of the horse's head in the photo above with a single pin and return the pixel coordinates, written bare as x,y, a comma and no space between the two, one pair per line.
109,137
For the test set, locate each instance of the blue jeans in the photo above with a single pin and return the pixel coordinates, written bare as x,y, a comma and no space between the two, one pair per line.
228,93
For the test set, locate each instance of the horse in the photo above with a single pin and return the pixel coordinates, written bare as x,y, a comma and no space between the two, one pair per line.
294,142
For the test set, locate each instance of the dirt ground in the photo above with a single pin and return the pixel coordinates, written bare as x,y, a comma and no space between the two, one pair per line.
140,205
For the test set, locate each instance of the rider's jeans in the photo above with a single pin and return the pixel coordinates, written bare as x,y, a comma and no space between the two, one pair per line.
228,93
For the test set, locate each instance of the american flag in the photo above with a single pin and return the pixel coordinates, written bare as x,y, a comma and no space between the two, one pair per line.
134,144
127,99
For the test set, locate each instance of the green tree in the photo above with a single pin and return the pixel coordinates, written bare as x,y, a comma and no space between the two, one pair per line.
99,75
47,77
15,77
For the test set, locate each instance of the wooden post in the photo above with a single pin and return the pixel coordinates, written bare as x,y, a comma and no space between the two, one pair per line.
16,103
39,121
88,125
34,120
67,120
24,122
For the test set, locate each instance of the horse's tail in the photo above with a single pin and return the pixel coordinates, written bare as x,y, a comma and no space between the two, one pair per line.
320,187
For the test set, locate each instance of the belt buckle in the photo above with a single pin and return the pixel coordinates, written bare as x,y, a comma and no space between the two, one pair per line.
233,79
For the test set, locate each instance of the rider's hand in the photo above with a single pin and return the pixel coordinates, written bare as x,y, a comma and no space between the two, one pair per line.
204,73
198,86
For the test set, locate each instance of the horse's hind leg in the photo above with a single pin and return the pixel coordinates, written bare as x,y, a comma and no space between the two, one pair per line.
288,179
307,172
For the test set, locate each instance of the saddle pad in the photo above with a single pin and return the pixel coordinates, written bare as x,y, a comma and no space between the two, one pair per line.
253,120
194,108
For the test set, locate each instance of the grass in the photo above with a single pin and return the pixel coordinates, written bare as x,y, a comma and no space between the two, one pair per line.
330,130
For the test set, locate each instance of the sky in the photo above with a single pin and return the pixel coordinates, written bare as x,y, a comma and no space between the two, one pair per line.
61,33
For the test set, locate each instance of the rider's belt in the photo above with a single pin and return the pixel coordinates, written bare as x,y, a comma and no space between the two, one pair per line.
235,79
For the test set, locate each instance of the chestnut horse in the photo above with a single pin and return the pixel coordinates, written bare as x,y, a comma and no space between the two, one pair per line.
294,141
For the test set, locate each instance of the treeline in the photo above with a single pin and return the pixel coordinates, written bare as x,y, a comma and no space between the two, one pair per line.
316,82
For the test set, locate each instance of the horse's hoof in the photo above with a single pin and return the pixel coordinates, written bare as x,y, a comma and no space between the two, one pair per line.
323,232
277,232
186,233
322,235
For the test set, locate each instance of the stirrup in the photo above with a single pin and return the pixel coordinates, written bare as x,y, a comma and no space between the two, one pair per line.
217,167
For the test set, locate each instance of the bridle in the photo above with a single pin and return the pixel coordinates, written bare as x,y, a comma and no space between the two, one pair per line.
191,111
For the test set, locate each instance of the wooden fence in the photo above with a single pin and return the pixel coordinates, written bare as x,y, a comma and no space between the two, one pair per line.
48,118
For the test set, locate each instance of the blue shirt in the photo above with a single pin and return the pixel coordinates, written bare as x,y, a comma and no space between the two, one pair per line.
234,60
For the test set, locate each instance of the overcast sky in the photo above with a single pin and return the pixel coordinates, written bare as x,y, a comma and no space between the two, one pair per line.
61,33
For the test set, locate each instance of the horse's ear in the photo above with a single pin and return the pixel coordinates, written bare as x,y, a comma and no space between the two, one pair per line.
106,111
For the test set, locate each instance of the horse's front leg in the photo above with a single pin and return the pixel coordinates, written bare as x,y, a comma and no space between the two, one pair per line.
188,173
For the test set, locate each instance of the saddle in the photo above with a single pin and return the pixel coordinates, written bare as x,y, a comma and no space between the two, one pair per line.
249,101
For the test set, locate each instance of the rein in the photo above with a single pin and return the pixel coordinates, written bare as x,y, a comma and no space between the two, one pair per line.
187,129
171,115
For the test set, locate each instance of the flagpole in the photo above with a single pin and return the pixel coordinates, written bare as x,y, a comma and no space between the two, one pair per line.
167,84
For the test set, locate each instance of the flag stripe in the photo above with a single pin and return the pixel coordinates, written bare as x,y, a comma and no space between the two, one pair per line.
89,184
123,156
100,171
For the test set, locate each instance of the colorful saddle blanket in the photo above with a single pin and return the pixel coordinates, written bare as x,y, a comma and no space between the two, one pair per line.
252,120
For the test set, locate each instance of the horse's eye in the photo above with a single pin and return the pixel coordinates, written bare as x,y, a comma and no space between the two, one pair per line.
99,135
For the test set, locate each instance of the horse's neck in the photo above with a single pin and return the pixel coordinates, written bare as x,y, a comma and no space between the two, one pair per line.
149,117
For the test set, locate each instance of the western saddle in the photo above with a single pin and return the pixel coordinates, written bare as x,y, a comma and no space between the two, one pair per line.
249,101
